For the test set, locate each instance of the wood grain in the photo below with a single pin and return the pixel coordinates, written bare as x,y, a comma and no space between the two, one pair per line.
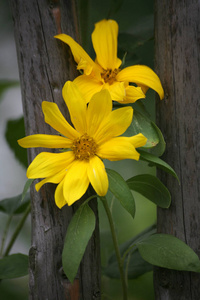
45,64
177,57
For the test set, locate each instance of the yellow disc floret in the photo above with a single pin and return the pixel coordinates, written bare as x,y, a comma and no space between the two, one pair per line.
109,75
84,147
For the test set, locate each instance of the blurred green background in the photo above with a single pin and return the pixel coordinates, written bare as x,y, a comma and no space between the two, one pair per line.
135,19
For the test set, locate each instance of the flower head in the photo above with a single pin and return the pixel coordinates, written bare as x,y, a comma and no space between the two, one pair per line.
93,138
105,72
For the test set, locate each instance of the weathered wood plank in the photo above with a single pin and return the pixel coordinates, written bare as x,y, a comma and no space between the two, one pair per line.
45,64
177,44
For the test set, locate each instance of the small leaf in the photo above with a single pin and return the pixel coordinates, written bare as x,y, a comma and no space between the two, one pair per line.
169,252
129,42
136,265
158,162
120,189
141,108
14,131
137,106
152,188
14,205
142,124
159,149
12,266
78,234
133,241
26,187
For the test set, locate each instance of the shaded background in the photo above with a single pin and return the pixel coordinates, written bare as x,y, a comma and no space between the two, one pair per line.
135,20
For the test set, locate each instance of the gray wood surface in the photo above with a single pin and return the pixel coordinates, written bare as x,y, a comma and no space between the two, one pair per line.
45,64
177,45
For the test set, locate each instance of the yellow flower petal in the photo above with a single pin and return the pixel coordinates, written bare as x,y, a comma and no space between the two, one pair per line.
138,140
53,179
132,94
76,181
80,56
88,86
45,140
83,65
76,105
117,149
55,119
98,176
117,90
59,196
144,88
104,39
115,124
100,107
48,164
141,75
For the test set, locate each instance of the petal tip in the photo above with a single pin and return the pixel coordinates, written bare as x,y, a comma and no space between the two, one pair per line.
20,143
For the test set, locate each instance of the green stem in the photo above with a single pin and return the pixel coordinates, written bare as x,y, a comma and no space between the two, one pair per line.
116,246
5,234
90,198
17,230
128,250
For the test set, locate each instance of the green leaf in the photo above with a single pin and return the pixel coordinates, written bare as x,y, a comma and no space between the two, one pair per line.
141,108
5,84
129,42
12,266
136,265
130,58
159,149
138,106
78,234
14,205
152,188
133,241
142,124
14,131
137,41
158,162
26,187
169,252
119,188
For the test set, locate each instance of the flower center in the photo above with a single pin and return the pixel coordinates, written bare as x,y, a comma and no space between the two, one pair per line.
84,147
109,75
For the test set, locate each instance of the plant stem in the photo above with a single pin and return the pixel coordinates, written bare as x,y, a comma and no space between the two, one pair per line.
116,246
5,234
17,230
90,198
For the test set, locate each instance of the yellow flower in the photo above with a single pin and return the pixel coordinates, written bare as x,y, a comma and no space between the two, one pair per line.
105,72
93,138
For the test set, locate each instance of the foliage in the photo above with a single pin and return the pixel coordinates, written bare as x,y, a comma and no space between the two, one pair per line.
152,188
12,266
14,205
15,130
141,252
121,191
78,234
169,252
134,264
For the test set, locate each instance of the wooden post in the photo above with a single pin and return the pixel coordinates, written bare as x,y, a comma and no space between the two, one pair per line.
45,64
177,45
